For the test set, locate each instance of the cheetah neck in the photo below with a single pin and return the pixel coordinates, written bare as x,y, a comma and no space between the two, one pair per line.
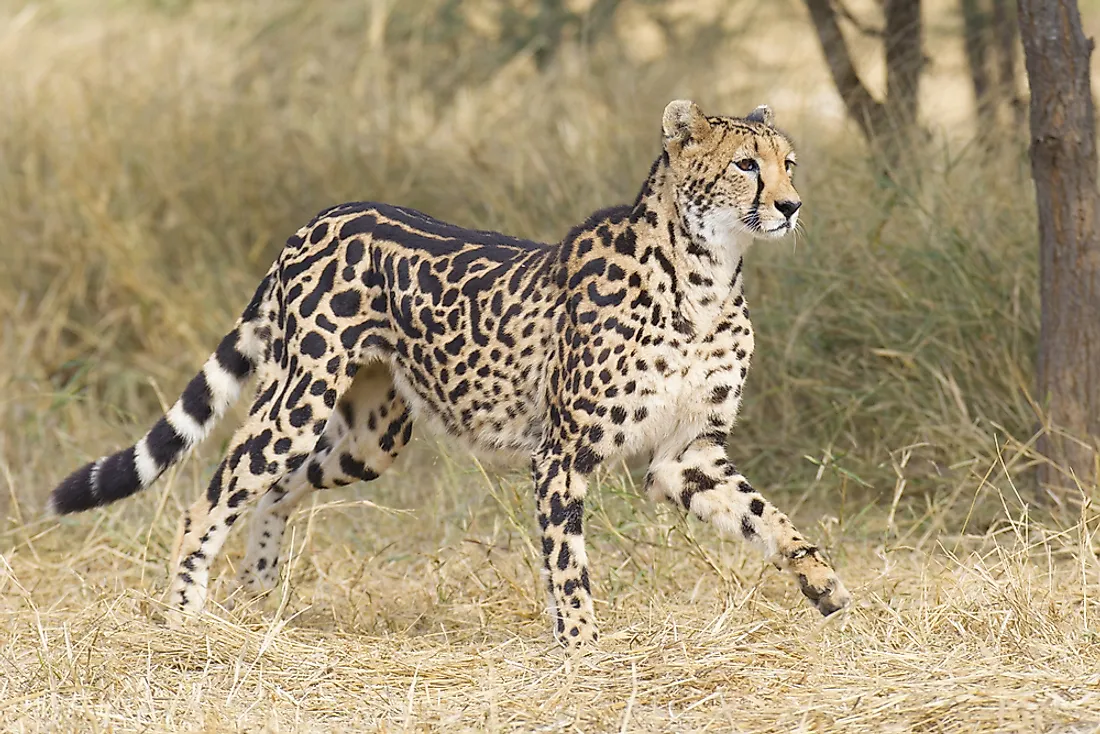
697,272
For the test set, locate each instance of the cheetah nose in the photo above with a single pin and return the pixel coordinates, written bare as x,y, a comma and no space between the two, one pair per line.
788,208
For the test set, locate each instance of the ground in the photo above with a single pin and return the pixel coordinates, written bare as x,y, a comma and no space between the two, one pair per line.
424,613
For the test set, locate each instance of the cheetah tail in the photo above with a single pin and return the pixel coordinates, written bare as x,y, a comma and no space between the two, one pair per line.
187,422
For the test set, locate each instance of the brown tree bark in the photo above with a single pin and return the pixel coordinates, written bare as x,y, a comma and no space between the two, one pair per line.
867,112
1007,37
1064,166
891,123
976,44
904,60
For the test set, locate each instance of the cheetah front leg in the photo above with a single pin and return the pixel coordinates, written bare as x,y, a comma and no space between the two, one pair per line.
560,490
702,480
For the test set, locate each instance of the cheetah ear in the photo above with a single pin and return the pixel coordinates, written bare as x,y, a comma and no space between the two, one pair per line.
684,122
763,114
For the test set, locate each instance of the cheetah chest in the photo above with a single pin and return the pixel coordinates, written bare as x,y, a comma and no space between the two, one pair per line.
688,388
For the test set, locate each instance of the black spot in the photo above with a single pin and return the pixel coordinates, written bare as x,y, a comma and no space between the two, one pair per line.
313,345
300,416
586,460
256,447
324,285
315,475
563,557
626,242
318,233
574,517
757,507
360,225
354,252
345,303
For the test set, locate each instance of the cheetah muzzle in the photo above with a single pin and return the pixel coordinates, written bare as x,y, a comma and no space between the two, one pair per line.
629,336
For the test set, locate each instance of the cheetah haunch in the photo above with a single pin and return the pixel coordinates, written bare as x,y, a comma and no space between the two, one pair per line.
631,335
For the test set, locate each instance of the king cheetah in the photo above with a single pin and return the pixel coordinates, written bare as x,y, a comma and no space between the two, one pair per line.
629,336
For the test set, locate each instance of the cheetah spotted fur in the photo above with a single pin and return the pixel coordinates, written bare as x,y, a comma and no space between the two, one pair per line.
630,336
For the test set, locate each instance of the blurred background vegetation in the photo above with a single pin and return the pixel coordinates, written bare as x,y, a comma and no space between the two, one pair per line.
154,155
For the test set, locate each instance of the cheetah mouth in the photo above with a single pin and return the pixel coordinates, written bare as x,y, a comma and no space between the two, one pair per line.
753,224
777,231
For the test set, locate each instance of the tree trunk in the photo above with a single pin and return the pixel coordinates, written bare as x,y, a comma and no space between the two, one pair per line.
904,60
1064,166
863,109
1007,39
889,125
975,41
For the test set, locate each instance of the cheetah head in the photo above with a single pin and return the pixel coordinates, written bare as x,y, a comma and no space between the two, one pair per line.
731,175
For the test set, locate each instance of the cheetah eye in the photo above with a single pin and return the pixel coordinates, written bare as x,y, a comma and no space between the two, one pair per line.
746,164
790,167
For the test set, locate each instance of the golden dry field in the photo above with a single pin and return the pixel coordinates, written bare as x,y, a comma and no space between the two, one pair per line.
155,155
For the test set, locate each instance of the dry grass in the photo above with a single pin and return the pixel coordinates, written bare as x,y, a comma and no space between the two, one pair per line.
153,156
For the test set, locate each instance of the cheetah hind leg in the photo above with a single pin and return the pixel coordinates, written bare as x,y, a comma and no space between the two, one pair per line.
269,445
370,426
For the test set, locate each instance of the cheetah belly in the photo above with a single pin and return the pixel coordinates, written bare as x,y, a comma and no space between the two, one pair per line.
493,415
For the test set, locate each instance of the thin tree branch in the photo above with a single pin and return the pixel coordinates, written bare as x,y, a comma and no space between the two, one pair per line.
856,23
864,109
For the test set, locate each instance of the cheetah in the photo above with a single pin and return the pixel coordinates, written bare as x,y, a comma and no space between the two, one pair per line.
630,336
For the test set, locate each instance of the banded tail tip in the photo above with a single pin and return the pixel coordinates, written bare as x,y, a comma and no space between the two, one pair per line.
96,484
74,494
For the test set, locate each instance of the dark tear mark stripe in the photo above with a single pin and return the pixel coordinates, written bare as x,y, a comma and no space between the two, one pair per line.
759,194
